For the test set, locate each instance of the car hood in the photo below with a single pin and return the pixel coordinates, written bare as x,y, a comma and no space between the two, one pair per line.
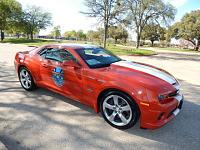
150,77
146,69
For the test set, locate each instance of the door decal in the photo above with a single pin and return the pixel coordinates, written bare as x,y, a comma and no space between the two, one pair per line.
58,76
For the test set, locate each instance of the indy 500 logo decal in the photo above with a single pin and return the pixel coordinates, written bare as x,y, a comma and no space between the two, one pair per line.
58,76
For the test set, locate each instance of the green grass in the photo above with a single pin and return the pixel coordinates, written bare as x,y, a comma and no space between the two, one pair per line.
28,42
38,42
118,50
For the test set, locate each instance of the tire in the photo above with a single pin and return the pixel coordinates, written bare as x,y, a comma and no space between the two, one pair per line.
26,79
119,110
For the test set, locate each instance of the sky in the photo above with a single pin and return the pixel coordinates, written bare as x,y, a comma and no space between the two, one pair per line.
66,13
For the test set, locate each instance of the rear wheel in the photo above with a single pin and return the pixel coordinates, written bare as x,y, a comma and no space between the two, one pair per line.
26,79
119,110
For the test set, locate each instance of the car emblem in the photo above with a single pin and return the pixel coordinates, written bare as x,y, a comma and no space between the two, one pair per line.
58,76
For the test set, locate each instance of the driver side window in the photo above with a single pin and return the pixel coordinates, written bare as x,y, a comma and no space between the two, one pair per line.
65,55
53,54
56,54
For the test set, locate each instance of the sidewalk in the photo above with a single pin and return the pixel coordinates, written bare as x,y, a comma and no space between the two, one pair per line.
162,51
170,51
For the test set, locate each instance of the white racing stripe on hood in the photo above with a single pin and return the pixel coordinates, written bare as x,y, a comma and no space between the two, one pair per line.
149,70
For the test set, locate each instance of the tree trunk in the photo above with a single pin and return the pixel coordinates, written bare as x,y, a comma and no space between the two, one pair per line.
138,41
17,35
196,48
31,35
27,35
152,43
105,35
197,45
115,40
125,40
2,35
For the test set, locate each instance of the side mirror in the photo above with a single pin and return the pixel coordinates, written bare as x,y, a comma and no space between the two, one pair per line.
71,63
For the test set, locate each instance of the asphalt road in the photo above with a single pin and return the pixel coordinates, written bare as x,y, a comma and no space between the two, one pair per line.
45,120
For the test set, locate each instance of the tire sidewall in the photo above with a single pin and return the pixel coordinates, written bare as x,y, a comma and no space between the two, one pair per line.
130,101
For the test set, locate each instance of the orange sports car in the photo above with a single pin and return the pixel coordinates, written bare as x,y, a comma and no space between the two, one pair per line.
123,91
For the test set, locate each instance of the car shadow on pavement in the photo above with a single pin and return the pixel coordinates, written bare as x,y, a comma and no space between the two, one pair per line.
27,117
183,131
10,143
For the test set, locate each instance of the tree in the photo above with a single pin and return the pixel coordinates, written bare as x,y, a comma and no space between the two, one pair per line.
142,12
78,35
153,33
56,32
93,36
188,28
118,32
35,19
19,26
70,34
8,11
169,34
81,35
106,11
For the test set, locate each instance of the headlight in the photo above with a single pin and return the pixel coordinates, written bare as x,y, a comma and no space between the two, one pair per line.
163,96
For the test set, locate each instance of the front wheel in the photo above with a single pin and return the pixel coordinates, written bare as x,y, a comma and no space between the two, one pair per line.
119,110
26,79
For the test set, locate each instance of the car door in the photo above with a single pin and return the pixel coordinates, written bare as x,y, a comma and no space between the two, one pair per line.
73,81
50,71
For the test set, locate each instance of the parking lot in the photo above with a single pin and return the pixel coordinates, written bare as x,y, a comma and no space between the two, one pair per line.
45,120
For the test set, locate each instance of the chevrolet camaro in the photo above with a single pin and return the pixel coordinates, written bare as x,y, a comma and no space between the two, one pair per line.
123,91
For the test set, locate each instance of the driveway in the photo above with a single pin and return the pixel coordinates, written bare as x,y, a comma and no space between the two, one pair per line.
45,120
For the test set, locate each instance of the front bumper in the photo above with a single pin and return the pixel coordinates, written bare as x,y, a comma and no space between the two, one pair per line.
179,98
153,119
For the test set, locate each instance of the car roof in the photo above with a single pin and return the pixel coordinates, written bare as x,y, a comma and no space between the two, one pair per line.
75,46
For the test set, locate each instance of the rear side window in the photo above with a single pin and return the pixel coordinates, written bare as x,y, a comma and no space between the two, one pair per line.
43,52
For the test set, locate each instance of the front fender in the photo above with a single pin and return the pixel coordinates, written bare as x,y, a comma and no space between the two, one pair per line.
136,92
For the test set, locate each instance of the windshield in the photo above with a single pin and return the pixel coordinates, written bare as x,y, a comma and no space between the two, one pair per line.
97,57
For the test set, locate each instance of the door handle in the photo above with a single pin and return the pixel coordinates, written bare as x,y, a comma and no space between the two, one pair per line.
45,65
